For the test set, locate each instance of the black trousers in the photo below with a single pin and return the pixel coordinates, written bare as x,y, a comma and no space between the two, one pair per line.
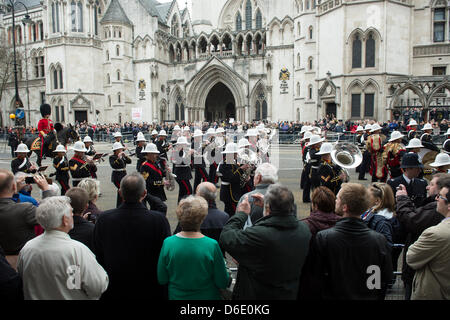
212,174
185,188
64,183
364,166
200,176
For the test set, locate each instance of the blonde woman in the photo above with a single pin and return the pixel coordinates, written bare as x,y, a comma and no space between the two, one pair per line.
92,188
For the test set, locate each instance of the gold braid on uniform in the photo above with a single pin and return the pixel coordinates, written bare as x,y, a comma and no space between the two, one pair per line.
393,147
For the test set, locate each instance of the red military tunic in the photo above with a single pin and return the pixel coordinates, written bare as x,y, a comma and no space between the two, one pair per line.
45,125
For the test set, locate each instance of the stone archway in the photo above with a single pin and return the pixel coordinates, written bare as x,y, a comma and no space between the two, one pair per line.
216,73
220,104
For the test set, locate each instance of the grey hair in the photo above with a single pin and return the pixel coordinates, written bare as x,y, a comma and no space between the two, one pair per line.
206,193
279,199
51,210
268,173
91,186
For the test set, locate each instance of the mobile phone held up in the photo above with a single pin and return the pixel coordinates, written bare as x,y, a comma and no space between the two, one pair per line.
29,180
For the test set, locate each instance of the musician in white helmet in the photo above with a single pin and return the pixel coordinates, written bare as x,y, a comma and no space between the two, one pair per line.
118,161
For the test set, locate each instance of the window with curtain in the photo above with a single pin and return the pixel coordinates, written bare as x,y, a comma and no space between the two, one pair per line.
369,102
439,22
248,15
57,17
370,52
60,78
80,17
356,52
73,15
356,105
53,17
258,19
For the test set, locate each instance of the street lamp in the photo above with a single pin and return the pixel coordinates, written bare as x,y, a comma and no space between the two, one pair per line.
18,103
25,21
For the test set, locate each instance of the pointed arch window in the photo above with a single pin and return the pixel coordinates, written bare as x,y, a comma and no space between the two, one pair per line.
80,17
261,106
76,15
119,97
356,52
238,22
298,60
57,16
55,79
96,7
175,26
182,112
298,89
311,34
370,51
177,112
117,50
258,19
118,75
248,15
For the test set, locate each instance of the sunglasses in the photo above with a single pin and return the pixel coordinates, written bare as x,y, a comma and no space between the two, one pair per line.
438,196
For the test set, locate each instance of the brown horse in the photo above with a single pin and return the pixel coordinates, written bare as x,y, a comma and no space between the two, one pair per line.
64,136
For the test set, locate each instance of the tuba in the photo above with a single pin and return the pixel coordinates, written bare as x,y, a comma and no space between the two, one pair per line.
347,156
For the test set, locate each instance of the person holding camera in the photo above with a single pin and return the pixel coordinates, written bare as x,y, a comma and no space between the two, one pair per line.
17,220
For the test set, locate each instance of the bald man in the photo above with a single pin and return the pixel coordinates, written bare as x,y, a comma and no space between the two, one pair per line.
216,219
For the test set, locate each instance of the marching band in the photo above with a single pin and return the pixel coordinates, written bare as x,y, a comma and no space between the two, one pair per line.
213,155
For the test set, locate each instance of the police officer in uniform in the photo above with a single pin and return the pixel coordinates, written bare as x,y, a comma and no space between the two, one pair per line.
61,164
118,162
330,175
181,159
416,187
154,175
22,163
141,141
80,166
230,173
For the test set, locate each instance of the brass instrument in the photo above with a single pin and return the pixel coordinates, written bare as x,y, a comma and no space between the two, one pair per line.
249,157
169,177
347,156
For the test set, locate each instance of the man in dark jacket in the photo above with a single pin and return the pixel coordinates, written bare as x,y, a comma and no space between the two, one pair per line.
351,261
10,281
416,187
127,243
415,220
271,253
83,230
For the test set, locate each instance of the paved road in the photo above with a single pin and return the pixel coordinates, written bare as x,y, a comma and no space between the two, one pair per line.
287,159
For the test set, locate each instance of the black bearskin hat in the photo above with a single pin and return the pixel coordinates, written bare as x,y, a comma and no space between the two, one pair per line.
45,110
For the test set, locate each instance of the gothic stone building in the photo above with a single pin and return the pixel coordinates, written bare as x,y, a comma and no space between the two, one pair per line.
141,60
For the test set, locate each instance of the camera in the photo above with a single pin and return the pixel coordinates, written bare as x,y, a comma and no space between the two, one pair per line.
29,180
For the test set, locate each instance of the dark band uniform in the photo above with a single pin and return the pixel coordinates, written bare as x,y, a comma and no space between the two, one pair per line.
412,134
182,169
199,164
427,142
329,176
313,167
140,157
21,165
163,148
61,164
90,151
118,165
153,175
230,190
364,166
80,170
305,182
446,146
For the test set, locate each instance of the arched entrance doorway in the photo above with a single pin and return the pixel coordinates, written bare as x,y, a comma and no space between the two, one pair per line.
220,103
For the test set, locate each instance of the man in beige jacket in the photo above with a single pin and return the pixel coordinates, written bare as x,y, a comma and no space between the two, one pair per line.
430,256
